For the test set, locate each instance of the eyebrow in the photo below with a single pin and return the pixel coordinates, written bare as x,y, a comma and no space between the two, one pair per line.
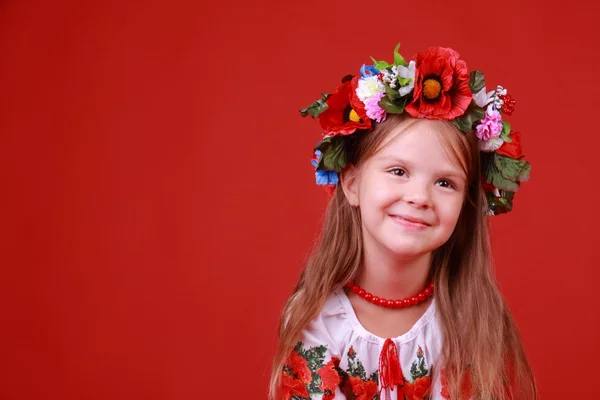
453,172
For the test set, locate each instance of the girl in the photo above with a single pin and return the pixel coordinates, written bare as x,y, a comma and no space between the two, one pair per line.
398,299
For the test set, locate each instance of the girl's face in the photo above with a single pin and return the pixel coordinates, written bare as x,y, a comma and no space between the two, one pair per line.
410,192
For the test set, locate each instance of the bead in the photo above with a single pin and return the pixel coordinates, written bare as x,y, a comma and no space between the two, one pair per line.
419,297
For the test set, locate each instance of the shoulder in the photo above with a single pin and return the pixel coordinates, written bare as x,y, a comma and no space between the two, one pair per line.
330,327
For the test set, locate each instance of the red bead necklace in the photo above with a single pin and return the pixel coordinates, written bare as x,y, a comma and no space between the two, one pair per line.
409,301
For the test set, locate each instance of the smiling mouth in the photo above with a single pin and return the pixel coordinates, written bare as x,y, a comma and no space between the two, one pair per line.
410,222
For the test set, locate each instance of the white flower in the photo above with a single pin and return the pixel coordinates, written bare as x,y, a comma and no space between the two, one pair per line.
409,73
369,87
490,145
497,99
482,98
390,77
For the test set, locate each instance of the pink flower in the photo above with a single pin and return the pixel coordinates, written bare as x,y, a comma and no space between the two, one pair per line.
491,126
372,107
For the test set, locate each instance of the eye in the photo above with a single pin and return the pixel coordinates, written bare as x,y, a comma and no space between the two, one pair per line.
398,171
446,183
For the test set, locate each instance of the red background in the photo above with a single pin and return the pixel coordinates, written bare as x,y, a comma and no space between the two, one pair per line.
158,200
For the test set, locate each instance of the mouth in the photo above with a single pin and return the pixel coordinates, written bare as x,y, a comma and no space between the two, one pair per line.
410,222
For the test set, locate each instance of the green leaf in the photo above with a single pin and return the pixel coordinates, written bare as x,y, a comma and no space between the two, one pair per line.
495,177
390,106
403,81
476,82
314,357
502,204
398,59
356,368
334,158
392,93
324,144
512,169
501,183
375,378
316,107
505,135
380,64
472,114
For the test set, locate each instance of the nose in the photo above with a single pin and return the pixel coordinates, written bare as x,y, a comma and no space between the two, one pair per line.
417,193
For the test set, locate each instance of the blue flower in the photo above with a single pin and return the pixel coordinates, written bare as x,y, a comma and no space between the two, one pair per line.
324,177
328,178
368,70
316,158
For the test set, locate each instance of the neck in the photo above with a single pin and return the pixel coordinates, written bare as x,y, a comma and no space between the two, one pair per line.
393,276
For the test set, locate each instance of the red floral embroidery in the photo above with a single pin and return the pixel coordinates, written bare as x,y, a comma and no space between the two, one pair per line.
296,377
419,389
330,379
299,367
355,384
351,352
362,390
291,387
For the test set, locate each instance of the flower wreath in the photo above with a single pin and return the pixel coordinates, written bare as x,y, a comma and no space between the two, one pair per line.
435,85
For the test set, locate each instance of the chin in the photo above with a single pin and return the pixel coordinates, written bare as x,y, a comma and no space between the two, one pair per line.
409,248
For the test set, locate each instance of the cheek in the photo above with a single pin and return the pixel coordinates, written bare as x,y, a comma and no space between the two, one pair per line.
379,193
450,211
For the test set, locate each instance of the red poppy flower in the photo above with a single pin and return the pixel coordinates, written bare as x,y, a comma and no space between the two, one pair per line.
362,390
441,85
295,384
299,367
291,387
512,149
330,379
345,112
418,389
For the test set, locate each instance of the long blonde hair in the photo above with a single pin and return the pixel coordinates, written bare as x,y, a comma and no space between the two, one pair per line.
479,334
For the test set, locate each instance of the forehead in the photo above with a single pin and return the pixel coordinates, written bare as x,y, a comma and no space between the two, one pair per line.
420,143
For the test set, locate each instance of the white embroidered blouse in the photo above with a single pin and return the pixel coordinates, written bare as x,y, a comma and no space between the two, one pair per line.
337,358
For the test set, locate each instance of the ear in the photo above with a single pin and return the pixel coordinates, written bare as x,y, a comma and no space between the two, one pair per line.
349,178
